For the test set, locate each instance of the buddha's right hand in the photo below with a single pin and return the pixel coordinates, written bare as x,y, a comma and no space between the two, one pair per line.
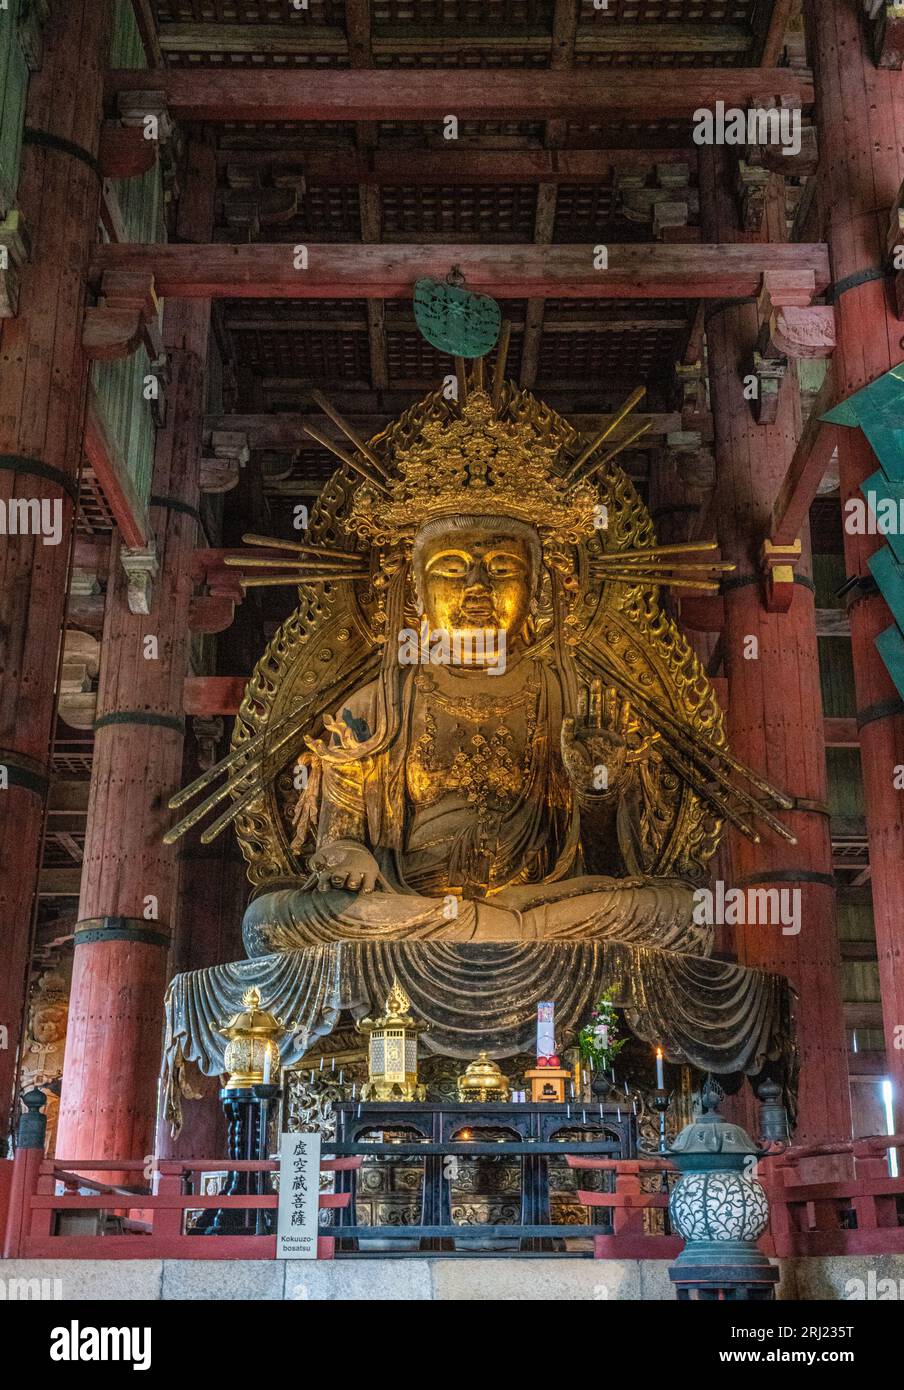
346,864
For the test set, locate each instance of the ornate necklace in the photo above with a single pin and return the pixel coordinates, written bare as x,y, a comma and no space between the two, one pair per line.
476,708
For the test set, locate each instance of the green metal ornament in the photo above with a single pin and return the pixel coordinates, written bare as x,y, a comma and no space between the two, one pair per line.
454,319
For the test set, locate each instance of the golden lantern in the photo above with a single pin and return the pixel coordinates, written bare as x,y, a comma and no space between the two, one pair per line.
252,1052
483,1081
392,1051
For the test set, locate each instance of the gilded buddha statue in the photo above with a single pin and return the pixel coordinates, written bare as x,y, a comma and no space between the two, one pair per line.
479,730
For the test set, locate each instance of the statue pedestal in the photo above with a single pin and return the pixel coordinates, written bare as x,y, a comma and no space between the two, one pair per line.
247,1115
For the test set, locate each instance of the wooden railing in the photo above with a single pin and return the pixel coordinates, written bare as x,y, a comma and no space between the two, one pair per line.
861,1214
151,1222
629,1239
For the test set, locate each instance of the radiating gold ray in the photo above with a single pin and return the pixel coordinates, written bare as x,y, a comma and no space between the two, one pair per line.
376,480
633,400
306,578
351,434
276,543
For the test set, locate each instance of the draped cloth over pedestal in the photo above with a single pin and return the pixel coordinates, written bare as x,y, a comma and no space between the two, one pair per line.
715,1016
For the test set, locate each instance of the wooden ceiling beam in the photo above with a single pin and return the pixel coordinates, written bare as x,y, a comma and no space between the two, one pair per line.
291,40
770,25
399,164
379,95
645,271
285,429
404,321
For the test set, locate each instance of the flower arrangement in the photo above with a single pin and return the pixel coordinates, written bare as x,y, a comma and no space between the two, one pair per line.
598,1040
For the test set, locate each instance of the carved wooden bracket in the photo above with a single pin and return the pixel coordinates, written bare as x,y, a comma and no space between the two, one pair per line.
796,332
78,675
127,315
228,452
124,151
214,611
668,207
140,565
790,324
209,734
15,249
778,563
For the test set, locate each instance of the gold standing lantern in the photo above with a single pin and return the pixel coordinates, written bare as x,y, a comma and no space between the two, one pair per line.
392,1051
252,1053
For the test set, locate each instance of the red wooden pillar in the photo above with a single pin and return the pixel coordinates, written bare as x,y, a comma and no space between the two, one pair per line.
43,378
127,908
775,701
213,889
860,112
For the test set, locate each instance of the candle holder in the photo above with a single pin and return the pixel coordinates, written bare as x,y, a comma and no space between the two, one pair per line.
660,1101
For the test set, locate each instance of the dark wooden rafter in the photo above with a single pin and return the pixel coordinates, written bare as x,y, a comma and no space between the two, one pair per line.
148,29
378,95
358,30
771,19
564,33
340,162
283,431
399,40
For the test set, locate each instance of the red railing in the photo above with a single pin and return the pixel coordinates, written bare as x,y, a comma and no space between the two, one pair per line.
629,1240
152,1222
860,1214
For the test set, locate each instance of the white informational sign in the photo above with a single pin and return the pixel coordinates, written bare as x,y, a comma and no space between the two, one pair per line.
299,1197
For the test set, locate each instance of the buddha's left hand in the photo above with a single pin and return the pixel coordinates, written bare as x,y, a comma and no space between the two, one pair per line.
594,747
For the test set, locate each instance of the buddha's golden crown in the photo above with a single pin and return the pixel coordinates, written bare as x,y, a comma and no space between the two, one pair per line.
479,463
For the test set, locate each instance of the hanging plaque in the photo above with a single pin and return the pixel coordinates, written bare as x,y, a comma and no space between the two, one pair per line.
454,319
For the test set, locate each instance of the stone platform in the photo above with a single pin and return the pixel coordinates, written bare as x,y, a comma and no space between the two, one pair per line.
427,1278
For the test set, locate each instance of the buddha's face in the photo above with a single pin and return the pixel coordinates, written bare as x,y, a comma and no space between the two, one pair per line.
476,577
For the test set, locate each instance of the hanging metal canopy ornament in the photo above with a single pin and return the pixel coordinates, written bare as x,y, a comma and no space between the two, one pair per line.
453,318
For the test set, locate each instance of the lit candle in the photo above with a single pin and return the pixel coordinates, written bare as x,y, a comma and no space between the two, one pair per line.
266,1064
660,1078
